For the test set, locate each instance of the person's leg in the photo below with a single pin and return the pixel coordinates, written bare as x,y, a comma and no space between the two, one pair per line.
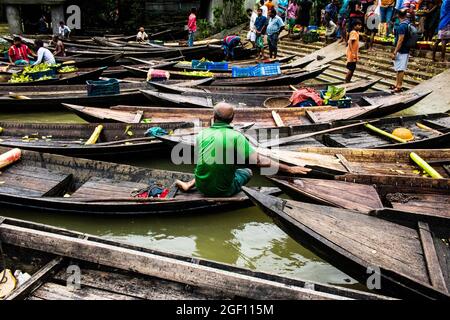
351,67
444,49
190,42
269,42
241,178
389,24
435,47
185,186
275,46
399,81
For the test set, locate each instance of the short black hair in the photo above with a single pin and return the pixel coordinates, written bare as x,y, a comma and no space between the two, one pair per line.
249,10
61,22
357,22
402,13
38,43
17,39
193,10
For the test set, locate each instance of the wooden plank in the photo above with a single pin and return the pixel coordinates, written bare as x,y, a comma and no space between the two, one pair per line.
138,117
135,286
433,266
162,267
344,162
53,291
276,117
311,115
36,280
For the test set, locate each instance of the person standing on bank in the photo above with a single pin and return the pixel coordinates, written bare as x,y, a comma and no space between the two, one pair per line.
251,36
220,176
192,26
274,27
353,49
260,27
43,54
444,30
401,51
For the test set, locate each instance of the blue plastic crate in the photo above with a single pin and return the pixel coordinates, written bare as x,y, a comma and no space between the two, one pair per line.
240,72
102,87
199,65
345,102
217,66
267,69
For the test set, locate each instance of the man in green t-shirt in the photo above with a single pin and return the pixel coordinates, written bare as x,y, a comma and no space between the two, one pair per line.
221,150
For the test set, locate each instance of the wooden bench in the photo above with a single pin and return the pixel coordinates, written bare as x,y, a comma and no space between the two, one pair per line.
33,181
107,188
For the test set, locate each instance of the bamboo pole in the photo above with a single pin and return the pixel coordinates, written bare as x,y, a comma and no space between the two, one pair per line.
425,166
424,127
384,133
95,135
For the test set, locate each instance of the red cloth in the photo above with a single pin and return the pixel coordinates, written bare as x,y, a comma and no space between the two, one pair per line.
303,94
192,23
19,53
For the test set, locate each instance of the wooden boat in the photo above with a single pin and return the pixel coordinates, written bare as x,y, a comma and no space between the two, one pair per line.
91,62
188,52
69,139
187,65
381,196
392,164
52,102
357,86
64,79
369,105
410,261
112,270
62,184
223,79
429,131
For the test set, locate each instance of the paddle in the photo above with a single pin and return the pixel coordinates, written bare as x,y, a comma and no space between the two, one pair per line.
286,140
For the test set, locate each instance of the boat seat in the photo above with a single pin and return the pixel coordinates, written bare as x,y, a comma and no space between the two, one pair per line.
433,204
107,188
33,181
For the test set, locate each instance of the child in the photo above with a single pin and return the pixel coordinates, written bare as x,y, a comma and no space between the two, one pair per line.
192,26
353,49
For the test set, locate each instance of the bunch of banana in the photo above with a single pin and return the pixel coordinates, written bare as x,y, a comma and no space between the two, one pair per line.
198,73
20,78
44,78
67,69
36,68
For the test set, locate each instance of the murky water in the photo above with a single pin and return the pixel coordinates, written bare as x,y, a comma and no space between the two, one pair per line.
245,238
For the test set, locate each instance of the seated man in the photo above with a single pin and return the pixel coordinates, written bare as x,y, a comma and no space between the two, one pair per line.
43,54
142,35
220,150
19,52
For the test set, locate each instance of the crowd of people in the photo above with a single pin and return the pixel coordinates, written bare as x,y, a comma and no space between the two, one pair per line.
350,20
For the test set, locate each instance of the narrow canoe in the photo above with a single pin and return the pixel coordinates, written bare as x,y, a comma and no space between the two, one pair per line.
69,139
119,271
355,242
375,195
61,184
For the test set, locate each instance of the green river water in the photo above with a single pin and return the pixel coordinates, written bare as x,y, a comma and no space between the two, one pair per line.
245,238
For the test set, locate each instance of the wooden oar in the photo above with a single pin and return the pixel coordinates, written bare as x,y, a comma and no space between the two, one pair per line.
285,140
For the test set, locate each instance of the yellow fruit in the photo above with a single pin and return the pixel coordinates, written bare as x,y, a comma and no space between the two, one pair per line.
403,133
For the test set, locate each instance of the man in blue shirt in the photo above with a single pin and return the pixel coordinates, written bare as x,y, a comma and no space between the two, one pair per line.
401,51
275,26
260,27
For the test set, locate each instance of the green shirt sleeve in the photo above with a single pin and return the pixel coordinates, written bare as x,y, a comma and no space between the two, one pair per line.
243,147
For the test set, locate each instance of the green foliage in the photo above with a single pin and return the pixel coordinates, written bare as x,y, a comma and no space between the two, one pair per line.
229,15
204,29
